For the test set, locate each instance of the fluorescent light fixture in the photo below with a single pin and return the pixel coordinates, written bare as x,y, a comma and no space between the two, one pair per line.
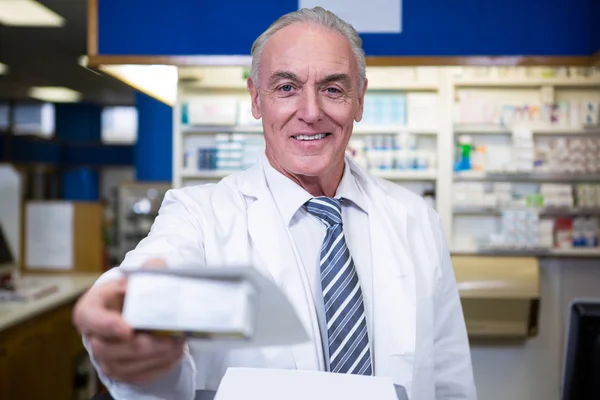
158,81
54,94
28,13
3,69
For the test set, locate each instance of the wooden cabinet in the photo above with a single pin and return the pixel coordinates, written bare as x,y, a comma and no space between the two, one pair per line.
38,357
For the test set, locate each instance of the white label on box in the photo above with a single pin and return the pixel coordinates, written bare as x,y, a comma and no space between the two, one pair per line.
181,304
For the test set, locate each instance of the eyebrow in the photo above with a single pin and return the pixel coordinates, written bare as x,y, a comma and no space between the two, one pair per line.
280,75
344,79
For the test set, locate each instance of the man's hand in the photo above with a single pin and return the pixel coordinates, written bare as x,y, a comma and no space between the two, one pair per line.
121,353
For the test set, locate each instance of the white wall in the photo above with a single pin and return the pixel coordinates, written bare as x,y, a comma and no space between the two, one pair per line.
533,370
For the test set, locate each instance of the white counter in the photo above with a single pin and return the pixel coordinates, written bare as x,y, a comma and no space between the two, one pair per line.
69,287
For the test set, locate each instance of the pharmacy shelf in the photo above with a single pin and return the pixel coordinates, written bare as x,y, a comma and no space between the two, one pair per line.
574,212
186,129
476,129
481,129
528,82
207,174
476,211
403,86
476,176
391,129
546,212
417,175
573,252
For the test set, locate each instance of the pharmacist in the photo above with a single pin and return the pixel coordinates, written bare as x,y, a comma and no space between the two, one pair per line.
362,260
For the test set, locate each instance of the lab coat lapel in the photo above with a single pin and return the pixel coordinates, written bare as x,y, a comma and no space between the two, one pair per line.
394,304
272,244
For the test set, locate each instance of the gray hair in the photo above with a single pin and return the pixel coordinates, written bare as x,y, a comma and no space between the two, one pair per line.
316,15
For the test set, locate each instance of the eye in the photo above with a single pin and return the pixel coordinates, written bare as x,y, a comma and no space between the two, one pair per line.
286,88
333,90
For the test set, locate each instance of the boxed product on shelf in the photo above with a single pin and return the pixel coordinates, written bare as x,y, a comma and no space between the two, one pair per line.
568,155
585,232
546,233
588,195
422,109
389,152
210,110
222,151
557,195
473,194
473,107
230,151
199,153
520,228
523,154
384,109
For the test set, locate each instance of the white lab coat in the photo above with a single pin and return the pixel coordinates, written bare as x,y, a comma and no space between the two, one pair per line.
419,333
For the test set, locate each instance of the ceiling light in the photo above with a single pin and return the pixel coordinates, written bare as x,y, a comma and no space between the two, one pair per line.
3,69
158,81
28,13
54,94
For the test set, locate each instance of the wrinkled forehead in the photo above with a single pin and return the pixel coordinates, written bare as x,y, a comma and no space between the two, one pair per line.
308,50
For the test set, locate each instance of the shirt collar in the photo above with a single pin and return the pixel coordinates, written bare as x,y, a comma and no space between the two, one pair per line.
289,196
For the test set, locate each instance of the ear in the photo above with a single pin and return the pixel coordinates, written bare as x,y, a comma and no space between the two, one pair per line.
361,102
253,89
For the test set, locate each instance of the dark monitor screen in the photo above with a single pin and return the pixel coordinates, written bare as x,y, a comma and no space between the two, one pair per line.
581,374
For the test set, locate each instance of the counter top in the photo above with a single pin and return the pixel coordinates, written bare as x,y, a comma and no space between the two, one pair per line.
68,288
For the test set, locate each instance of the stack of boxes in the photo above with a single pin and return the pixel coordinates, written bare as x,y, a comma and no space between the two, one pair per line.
557,195
523,153
391,152
571,156
520,229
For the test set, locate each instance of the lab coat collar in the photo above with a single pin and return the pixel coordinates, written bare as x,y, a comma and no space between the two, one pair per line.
290,196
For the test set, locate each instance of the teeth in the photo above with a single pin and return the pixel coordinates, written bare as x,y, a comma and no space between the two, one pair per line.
311,137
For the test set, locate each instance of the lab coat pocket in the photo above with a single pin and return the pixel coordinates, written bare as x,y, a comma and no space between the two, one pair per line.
401,369
415,374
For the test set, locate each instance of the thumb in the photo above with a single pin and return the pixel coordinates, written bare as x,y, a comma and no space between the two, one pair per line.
98,312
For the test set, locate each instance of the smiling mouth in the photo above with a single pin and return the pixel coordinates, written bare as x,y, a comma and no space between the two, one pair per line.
318,136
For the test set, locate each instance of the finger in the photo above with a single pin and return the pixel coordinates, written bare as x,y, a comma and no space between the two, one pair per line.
145,369
139,347
142,371
97,312
155,263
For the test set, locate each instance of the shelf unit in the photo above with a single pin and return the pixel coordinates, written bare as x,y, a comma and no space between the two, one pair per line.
474,129
525,82
534,177
472,224
575,252
446,83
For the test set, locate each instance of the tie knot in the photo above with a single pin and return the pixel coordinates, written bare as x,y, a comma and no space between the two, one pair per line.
328,209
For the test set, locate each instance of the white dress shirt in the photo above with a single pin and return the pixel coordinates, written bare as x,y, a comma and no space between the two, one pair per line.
308,233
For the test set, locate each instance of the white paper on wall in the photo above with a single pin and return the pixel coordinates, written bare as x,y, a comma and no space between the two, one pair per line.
367,16
49,236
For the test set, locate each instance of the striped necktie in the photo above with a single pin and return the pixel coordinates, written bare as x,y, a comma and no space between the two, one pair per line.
348,338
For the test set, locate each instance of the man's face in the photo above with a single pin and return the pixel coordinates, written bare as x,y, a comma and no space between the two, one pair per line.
308,98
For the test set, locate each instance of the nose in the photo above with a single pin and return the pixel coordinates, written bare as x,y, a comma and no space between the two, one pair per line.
309,109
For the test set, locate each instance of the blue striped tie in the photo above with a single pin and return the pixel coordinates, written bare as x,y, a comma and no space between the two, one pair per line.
346,322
